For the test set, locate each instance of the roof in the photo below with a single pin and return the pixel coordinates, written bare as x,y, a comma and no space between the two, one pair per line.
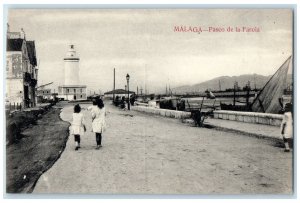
72,86
119,91
95,96
14,44
31,52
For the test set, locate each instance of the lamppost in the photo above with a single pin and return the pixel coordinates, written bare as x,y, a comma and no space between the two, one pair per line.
127,78
125,93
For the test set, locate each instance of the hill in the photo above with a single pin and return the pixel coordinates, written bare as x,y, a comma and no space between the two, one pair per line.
225,82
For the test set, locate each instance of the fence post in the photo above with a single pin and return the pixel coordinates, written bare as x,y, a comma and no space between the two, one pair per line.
20,106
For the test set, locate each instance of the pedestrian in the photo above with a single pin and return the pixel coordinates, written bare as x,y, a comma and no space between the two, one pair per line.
98,121
287,127
78,127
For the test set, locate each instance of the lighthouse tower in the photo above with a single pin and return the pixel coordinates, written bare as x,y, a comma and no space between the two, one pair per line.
71,62
72,89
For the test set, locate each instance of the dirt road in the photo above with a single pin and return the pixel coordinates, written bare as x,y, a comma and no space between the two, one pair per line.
144,154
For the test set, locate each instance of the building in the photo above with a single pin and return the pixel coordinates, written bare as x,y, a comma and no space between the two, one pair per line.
21,70
33,69
72,92
72,89
118,92
46,94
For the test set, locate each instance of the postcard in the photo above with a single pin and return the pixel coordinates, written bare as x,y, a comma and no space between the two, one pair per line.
149,101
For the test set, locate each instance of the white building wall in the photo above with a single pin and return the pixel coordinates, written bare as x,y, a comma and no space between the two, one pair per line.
14,78
80,93
14,91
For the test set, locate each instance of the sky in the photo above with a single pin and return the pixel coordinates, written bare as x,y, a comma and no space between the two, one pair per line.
143,43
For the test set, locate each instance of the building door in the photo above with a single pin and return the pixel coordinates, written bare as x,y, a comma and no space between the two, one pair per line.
26,96
74,97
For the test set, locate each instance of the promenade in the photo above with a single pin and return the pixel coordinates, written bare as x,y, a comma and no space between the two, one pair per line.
146,154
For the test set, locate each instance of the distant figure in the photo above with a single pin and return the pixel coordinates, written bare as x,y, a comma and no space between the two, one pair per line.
287,127
98,121
181,105
123,102
78,127
132,99
117,100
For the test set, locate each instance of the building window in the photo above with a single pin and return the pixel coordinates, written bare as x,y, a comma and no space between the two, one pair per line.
74,90
43,92
80,96
7,65
68,90
80,90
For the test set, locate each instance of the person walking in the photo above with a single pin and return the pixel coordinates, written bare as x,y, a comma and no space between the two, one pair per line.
98,121
287,127
77,127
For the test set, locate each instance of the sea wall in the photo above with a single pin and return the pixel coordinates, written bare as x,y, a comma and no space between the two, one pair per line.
162,112
249,117
141,104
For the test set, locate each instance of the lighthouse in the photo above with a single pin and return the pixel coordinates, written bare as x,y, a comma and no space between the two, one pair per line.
72,89
71,65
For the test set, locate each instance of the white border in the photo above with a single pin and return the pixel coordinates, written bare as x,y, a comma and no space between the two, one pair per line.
156,3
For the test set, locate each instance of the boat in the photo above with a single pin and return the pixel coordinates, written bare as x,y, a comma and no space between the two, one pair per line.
269,99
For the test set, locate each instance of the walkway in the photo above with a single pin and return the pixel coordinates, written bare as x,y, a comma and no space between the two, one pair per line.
144,154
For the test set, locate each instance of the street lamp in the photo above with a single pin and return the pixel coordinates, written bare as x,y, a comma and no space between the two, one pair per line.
127,78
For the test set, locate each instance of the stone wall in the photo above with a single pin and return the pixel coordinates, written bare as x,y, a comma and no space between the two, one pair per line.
141,104
249,117
162,112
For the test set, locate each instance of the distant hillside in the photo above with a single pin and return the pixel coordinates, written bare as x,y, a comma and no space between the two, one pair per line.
226,83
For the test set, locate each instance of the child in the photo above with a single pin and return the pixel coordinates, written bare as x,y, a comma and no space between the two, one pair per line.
287,127
77,127
98,121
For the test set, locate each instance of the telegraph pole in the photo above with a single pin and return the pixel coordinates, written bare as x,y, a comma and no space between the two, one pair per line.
114,84
235,87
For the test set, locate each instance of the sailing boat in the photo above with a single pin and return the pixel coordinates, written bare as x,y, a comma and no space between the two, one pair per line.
268,100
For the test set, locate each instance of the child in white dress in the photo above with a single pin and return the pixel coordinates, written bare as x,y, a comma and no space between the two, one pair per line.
78,127
287,127
98,121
